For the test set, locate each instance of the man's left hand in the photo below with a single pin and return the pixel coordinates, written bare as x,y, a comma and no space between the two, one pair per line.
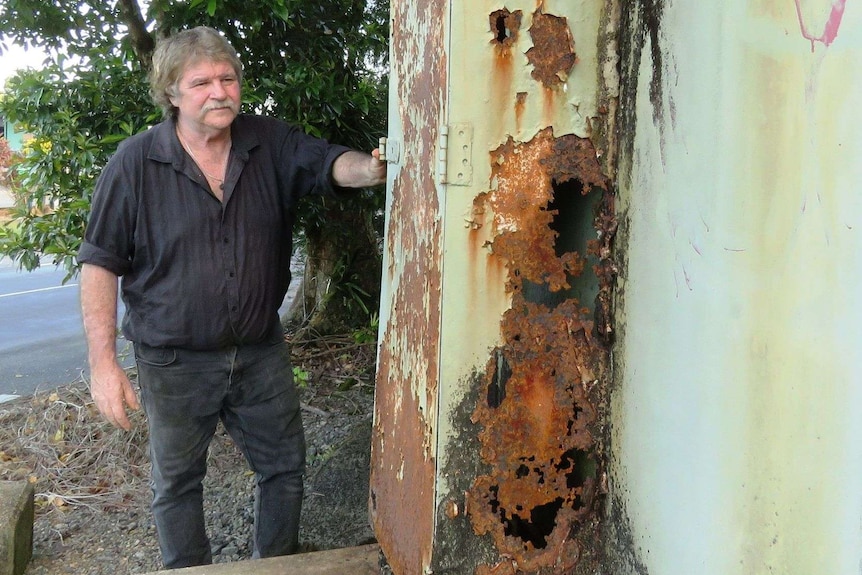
359,170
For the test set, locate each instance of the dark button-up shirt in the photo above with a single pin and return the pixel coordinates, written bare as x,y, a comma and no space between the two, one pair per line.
198,273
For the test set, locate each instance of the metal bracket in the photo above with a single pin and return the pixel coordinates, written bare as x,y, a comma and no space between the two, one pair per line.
455,155
390,150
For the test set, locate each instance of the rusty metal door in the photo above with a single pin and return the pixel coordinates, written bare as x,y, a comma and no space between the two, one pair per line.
403,455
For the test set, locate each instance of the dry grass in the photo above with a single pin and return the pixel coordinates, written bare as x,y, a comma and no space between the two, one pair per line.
58,441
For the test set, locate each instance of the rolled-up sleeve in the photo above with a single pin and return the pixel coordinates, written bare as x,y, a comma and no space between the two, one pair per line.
109,236
325,185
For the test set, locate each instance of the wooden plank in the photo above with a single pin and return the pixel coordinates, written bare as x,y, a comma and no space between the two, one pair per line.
353,560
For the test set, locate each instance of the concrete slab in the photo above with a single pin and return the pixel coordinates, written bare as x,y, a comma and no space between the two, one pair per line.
16,526
363,560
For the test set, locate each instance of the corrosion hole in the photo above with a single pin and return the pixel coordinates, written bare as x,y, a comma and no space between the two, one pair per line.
573,226
494,502
580,467
497,387
502,31
522,471
543,519
577,412
541,474
574,211
505,26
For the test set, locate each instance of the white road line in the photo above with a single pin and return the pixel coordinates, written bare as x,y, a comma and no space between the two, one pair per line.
36,290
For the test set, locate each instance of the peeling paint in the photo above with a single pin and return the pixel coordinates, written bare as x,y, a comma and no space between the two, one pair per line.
402,504
553,51
540,414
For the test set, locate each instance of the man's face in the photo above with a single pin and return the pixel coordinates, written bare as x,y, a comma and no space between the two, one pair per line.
208,95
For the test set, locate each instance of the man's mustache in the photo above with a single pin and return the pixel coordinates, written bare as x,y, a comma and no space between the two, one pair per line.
219,105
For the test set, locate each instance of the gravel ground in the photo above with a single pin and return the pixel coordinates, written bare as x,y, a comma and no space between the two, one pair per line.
100,538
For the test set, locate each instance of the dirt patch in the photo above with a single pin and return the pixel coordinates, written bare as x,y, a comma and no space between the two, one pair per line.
92,480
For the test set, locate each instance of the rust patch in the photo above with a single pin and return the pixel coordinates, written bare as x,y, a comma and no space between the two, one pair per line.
553,52
505,567
540,412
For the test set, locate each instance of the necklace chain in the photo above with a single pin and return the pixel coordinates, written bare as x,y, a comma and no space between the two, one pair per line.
192,154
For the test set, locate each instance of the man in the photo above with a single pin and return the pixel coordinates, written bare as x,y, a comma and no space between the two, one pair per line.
196,216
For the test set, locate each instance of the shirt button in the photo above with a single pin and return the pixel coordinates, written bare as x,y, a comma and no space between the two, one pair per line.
234,308
231,274
227,240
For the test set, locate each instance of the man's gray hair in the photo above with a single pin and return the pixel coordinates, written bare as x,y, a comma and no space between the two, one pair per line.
175,53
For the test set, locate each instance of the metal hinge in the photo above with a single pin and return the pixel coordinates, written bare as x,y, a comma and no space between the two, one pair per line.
455,155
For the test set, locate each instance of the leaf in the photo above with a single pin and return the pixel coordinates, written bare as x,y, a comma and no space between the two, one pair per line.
281,11
347,384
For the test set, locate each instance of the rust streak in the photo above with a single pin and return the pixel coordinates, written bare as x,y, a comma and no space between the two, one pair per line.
505,27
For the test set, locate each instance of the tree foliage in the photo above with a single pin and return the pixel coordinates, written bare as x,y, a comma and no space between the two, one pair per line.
318,64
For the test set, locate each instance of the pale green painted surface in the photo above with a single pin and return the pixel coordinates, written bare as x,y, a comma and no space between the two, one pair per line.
739,383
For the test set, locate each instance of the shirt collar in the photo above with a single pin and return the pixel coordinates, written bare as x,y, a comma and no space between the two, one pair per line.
166,146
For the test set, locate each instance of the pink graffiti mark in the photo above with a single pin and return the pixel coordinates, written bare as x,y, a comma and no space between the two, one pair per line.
830,31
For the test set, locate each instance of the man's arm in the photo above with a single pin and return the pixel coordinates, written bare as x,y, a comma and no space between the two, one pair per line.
109,385
358,170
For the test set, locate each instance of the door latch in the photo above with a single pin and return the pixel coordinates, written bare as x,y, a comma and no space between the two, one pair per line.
390,150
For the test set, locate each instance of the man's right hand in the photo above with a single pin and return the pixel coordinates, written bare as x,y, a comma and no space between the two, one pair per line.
112,391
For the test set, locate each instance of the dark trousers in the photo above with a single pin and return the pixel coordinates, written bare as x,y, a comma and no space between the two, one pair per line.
250,388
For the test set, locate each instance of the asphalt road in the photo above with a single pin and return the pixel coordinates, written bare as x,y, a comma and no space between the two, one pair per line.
42,342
